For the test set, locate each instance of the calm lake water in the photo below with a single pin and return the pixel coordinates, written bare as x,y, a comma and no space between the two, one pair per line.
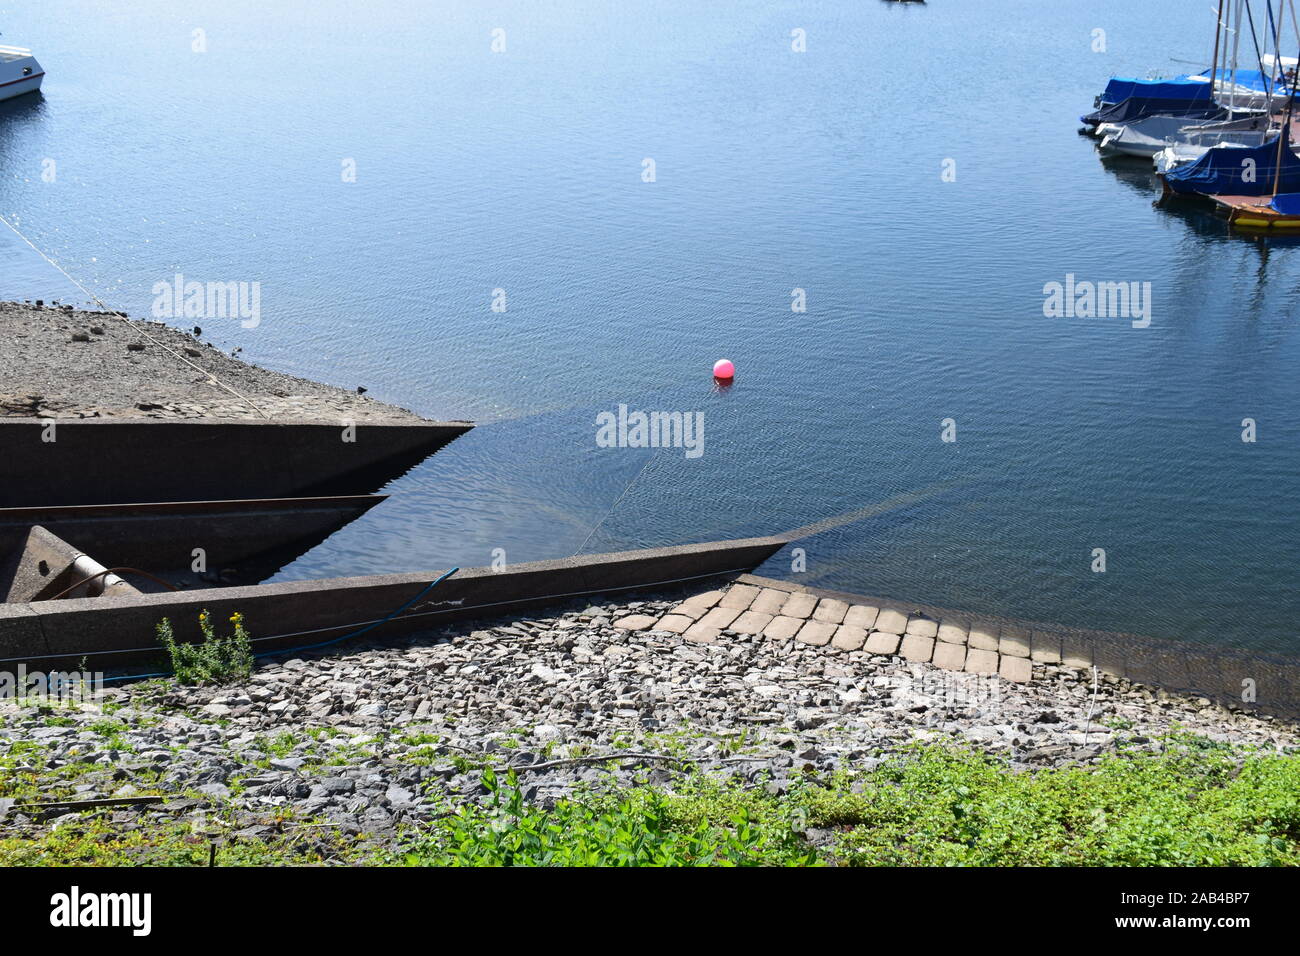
775,170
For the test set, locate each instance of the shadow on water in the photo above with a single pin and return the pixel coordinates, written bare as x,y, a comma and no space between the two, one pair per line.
20,110
1197,213
1204,221
1134,172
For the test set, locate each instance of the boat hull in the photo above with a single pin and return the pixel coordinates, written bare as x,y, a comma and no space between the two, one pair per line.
1254,213
20,87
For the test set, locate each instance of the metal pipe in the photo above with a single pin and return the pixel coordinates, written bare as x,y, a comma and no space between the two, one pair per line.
97,578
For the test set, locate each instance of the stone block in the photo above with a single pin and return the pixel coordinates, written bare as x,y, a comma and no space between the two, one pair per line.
830,611
1045,647
799,605
953,630
882,642
636,622
1014,642
983,637
817,633
862,615
849,637
1017,669
951,657
769,601
701,634
917,648
981,661
891,621
782,628
674,623
923,626
751,622
719,617
739,596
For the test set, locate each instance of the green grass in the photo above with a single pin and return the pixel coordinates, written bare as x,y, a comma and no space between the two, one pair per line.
1191,806
1199,803
644,828
96,841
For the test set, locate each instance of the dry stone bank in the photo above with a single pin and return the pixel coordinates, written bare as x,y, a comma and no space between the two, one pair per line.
739,681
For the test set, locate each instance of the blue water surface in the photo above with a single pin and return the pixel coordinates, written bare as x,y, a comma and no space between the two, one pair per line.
775,170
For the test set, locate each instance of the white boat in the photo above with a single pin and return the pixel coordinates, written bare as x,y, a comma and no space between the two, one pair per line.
1150,135
19,72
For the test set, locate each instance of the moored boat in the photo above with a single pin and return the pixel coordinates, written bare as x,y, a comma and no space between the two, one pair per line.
19,72
1225,170
1261,212
1147,137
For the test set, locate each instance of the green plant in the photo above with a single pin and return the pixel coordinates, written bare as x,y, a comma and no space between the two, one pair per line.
644,827
1200,803
217,660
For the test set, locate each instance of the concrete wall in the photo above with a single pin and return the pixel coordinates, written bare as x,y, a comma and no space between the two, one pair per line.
160,538
105,461
335,607
37,568
46,567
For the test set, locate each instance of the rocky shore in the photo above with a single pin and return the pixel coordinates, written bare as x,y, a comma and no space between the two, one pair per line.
60,362
374,739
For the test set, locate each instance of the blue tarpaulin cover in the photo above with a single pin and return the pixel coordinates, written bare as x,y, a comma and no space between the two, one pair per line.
1288,204
1139,107
1183,87
1237,171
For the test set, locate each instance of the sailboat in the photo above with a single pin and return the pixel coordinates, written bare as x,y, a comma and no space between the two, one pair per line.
19,72
1280,210
1222,93
1153,134
1239,171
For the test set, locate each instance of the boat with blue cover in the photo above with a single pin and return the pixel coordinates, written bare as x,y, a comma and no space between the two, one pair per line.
1258,213
1238,171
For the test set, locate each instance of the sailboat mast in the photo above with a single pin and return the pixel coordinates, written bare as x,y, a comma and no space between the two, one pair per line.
1214,60
1223,51
1284,135
1236,45
1259,59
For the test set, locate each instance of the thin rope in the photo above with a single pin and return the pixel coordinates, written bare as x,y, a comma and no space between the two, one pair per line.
100,302
610,510
1091,706
605,516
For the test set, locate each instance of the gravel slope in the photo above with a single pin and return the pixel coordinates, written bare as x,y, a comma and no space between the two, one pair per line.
369,739
61,363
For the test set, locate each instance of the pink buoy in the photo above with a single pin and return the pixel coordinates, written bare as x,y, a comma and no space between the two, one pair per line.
723,368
